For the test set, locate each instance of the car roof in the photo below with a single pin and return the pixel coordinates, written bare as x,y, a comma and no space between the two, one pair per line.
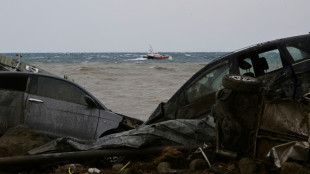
269,43
245,49
19,73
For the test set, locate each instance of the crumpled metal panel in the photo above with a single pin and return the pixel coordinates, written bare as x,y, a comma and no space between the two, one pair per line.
236,115
294,150
287,117
172,132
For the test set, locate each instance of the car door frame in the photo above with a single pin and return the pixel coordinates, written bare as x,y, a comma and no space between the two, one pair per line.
36,105
300,70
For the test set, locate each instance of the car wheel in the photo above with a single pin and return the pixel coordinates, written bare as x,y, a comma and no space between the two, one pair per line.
241,83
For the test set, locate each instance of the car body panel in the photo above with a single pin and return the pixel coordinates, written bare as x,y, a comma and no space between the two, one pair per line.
60,118
11,109
108,121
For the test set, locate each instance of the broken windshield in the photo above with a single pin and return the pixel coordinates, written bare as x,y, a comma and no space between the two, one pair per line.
207,84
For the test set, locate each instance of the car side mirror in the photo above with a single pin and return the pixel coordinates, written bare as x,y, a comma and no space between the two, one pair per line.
90,101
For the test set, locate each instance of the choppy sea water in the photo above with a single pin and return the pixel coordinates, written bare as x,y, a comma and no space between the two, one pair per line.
119,57
126,83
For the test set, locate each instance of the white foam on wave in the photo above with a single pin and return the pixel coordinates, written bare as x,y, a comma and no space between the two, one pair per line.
39,57
170,58
139,58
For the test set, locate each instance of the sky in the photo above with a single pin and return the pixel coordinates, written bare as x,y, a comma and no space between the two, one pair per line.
134,25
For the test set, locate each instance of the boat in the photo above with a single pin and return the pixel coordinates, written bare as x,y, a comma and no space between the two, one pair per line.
154,55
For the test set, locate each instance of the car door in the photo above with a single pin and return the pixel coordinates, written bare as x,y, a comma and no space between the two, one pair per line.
12,93
58,108
299,52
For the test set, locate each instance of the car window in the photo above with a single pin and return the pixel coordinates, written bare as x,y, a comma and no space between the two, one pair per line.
299,49
207,84
258,63
272,58
60,90
16,83
297,53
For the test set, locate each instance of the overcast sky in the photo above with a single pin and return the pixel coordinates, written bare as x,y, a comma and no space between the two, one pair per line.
132,25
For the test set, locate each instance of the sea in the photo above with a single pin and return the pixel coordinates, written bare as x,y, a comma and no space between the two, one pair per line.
117,57
126,83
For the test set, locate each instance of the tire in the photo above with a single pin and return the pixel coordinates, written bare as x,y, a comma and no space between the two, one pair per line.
240,83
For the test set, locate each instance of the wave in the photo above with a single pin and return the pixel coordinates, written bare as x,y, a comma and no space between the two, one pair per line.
139,58
132,57
162,68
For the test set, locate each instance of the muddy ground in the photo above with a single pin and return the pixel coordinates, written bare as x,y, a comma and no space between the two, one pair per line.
19,140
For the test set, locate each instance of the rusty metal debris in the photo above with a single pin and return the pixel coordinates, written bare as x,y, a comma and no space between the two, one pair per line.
262,124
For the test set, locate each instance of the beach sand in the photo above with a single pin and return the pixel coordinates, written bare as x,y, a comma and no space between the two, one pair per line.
132,89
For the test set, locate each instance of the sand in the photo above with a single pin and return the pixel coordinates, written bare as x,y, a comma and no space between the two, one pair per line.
132,89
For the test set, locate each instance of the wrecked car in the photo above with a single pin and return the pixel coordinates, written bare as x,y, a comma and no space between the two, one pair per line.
56,107
258,96
15,64
283,62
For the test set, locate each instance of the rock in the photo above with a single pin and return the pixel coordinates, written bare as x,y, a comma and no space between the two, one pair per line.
117,166
197,164
93,170
247,166
291,167
173,156
163,167
231,167
169,153
19,140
